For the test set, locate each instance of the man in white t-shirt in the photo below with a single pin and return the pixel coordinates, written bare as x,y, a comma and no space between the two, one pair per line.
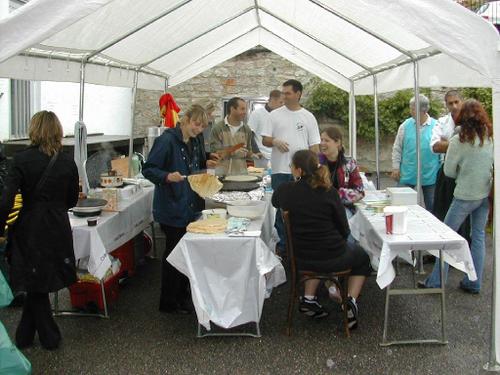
290,128
257,120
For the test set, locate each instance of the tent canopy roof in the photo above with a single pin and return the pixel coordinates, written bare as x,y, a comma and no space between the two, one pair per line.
341,41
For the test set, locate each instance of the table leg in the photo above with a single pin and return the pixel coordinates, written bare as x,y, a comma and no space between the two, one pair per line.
386,315
443,298
57,312
106,315
415,291
154,238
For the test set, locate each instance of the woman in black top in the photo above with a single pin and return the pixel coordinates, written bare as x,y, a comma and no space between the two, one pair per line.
40,242
319,231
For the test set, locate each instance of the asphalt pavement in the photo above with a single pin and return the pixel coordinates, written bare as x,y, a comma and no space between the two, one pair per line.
138,339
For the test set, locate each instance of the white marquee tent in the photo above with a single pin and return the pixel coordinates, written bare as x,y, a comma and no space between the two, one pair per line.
363,46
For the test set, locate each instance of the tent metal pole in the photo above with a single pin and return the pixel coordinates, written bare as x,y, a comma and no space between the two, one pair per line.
256,3
386,67
209,53
361,27
82,90
66,59
367,68
305,53
220,24
352,121
418,186
493,363
138,28
131,139
165,88
377,132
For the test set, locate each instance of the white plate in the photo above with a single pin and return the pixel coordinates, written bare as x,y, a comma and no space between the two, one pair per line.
241,178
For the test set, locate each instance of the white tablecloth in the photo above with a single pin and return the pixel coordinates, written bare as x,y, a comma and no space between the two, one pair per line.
425,232
113,230
229,276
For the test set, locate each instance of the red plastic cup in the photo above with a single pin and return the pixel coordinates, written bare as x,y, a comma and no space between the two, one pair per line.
388,223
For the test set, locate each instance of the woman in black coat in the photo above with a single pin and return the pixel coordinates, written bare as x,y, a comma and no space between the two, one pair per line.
319,232
40,242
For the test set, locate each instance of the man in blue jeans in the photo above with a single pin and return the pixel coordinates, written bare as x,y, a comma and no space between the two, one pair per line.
404,152
289,128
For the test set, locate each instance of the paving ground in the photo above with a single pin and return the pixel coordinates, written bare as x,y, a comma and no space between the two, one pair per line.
138,339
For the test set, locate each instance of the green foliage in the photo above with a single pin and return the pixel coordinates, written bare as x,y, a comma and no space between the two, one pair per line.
326,100
482,94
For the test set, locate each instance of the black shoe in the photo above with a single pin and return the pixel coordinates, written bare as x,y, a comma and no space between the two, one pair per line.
467,289
352,313
421,285
312,308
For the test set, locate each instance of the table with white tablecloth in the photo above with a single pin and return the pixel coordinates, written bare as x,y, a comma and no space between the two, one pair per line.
230,275
113,230
424,232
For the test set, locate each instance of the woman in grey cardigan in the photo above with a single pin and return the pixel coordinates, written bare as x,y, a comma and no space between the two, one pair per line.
469,160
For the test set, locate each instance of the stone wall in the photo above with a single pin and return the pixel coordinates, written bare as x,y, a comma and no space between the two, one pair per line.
252,74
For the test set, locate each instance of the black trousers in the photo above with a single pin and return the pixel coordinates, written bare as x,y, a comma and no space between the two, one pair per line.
37,317
174,285
443,196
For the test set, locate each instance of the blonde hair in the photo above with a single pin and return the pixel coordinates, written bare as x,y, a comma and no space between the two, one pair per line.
196,113
46,132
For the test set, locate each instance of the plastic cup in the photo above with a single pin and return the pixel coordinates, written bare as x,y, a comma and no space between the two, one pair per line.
92,221
389,223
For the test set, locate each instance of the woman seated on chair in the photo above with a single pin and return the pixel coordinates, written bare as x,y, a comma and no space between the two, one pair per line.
319,233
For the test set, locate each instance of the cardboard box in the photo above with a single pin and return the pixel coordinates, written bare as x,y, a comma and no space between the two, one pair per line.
112,196
402,196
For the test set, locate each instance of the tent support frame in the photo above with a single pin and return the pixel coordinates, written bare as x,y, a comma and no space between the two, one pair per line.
220,24
82,90
138,28
377,133
367,68
352,121
305,53
131,139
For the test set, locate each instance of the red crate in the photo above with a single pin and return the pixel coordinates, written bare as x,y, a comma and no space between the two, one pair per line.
83,292
127,258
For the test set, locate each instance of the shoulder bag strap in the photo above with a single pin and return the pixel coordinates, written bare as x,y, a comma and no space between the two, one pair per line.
45,174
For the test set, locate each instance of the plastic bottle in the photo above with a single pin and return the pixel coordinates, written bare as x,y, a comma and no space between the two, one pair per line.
267,179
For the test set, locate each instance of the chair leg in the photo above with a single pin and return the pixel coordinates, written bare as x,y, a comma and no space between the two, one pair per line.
343,292
291,307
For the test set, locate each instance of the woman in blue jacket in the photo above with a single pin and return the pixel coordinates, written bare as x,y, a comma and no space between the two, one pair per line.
175,154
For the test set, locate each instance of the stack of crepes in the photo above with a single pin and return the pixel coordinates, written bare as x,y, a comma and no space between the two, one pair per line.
205,185
208,226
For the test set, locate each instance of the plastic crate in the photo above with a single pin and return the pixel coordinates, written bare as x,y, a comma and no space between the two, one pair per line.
127,259
83,293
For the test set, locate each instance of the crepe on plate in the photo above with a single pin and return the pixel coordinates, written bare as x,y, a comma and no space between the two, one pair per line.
208,226
205,185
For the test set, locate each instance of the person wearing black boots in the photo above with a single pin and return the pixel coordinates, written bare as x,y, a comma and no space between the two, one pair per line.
41,243
176,154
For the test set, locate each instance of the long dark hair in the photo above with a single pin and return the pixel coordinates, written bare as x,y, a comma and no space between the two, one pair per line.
474,120
316,175
335,133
